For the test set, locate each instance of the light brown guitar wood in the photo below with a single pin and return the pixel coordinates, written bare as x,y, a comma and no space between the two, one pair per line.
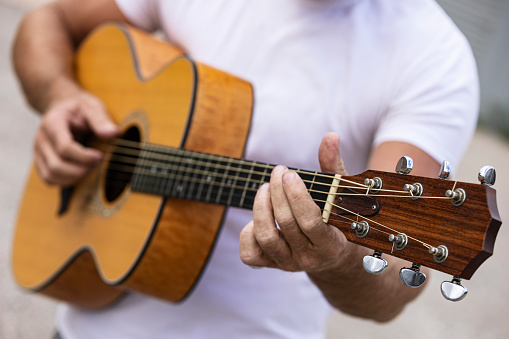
99,248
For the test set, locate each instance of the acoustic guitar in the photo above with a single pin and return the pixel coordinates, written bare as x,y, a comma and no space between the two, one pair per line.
146,219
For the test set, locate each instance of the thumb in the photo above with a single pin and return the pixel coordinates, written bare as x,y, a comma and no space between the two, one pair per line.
328,155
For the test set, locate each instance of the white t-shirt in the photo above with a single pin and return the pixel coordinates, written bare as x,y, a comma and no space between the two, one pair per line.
370,70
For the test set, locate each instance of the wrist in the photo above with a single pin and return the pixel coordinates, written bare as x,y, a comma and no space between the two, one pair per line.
59,89
348,264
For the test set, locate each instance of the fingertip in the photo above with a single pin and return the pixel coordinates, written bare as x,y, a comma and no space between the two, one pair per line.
107,130
289,177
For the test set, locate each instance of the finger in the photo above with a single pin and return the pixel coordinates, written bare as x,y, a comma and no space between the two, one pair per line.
53,169
306,212
57,126
265,231
283,212
98,119
250,251
329,155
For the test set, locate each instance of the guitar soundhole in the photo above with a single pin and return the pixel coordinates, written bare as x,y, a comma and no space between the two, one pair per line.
122,163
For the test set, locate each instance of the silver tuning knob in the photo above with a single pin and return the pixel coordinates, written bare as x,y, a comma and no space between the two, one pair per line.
453,290
487,175
412,277
404,165
374,264
445,170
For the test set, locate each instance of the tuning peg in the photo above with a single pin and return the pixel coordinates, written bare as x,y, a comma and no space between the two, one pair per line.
405,165
487,175
412,277
374,264
445,170
453,290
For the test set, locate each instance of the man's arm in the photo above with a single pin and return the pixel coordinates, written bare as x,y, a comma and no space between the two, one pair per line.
43,58
304,243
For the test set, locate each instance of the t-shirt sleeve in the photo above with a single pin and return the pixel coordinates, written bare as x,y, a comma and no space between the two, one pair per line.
141,13
435,101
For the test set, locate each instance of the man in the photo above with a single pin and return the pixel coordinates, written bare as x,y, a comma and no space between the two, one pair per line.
392,78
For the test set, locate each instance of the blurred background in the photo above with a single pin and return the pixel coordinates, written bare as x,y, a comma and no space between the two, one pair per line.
482,314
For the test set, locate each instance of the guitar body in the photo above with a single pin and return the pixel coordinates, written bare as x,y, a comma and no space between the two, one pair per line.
107,240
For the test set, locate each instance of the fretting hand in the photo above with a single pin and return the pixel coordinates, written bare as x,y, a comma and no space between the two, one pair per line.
300,241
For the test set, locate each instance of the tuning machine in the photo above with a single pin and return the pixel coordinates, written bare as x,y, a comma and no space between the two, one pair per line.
453,290
374,264
487,175
404,165
445,170
412,277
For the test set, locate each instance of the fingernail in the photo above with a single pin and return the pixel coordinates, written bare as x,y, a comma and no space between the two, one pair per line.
289,176
279,169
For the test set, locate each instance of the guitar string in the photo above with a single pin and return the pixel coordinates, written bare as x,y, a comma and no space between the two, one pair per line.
166,157
158,156
377,223
218,166
163,155
133,162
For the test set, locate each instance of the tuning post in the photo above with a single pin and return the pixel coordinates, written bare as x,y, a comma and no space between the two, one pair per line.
374,264
487,175
445,170
458,196
400,241
404,165
415,190
453,290
374,184
361,228
412,277
440,253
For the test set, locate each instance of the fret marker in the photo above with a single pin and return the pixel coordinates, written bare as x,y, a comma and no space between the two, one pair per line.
254,186
153,169
330,198
209,178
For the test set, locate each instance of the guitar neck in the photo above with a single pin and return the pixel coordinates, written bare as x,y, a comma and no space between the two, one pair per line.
183,174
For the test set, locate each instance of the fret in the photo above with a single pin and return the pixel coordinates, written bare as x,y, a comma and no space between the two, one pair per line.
321,188
246,182
180,173
211,179
159,168
233,186
142,180
225,174
195,176
200,169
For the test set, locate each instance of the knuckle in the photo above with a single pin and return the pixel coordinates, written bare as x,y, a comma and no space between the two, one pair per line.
285,220
267,239
311,225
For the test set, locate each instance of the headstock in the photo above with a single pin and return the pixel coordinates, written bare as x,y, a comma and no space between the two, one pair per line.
448,226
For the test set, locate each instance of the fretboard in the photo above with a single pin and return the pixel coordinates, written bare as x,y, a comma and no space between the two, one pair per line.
183,174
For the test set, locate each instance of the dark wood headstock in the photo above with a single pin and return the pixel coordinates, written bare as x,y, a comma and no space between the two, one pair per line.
468,230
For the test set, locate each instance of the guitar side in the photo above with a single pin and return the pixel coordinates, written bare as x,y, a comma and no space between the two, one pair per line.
98,248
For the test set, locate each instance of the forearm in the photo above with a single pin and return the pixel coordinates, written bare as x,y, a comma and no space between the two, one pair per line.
352,290
43,56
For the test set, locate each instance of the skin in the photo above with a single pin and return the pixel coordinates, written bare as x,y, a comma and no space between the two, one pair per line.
43,53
